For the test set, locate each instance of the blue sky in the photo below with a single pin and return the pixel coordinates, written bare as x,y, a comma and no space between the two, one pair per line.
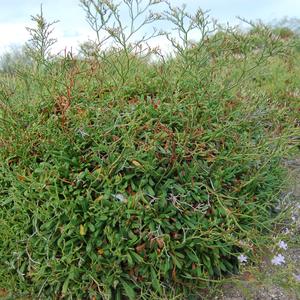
73,29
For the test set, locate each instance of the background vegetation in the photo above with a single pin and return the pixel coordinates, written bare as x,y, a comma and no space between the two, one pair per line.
126,172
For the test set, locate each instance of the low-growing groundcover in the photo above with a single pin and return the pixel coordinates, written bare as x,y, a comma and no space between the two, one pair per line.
123,177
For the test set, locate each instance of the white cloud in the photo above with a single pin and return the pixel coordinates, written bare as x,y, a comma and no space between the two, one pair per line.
69,42
12,34
15,34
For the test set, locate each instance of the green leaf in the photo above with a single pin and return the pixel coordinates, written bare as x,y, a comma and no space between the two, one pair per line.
129,290
155,281
192,256
150,190
136,257
177,262
65,286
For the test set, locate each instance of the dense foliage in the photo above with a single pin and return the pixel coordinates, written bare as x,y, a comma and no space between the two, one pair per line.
127,176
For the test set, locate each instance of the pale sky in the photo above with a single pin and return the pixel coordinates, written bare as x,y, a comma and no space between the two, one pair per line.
73,29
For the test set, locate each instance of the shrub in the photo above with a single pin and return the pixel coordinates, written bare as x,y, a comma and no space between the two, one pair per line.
13,60
145,185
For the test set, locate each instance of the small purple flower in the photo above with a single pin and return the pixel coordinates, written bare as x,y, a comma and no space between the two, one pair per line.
242,258
282,245
297,277
286,231
278,260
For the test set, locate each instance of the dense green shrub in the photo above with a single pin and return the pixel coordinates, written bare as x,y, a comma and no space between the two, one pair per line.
145,180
